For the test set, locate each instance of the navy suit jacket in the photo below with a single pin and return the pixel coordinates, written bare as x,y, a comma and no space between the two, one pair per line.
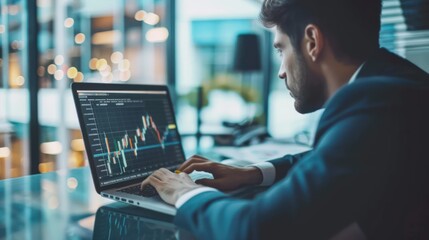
369,165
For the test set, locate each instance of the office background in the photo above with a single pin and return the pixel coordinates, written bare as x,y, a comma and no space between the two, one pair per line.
48,44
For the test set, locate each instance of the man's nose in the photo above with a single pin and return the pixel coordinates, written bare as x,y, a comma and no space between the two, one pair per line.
282,72
282,75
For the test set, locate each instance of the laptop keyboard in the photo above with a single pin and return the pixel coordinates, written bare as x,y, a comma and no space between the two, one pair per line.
147,191
150,191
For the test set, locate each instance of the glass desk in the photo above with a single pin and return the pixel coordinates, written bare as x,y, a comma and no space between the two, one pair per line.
65,205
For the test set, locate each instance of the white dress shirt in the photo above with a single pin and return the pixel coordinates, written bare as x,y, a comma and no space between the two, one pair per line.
268,170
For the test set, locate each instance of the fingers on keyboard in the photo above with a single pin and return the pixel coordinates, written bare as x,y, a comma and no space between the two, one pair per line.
149,191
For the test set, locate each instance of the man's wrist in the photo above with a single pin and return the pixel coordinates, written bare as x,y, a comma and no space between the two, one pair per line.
252,175
268,172
183,191
190,194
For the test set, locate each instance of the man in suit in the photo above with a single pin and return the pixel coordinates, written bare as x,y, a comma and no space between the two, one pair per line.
369,167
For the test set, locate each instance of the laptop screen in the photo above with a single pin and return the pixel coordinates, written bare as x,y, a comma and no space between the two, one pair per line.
130,133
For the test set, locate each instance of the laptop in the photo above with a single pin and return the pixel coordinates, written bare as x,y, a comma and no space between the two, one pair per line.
129,131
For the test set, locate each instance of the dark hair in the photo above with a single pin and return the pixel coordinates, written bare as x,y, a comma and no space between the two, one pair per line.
351,26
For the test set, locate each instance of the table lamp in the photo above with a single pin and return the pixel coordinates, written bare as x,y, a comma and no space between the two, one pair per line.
247,57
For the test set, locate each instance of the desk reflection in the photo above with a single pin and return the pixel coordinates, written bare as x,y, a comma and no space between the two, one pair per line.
64,205
119,221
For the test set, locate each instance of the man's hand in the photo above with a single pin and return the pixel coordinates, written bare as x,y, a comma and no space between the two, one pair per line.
170,186
226,177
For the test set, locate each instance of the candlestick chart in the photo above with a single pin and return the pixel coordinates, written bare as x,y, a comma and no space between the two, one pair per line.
144,137
130,134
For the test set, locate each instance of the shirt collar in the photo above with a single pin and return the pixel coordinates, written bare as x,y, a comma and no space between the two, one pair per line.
353,78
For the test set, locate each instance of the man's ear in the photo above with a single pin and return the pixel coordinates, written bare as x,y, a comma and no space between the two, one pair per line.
313,41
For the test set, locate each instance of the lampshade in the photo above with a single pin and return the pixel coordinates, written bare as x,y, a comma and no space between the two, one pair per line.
247,53
416,14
